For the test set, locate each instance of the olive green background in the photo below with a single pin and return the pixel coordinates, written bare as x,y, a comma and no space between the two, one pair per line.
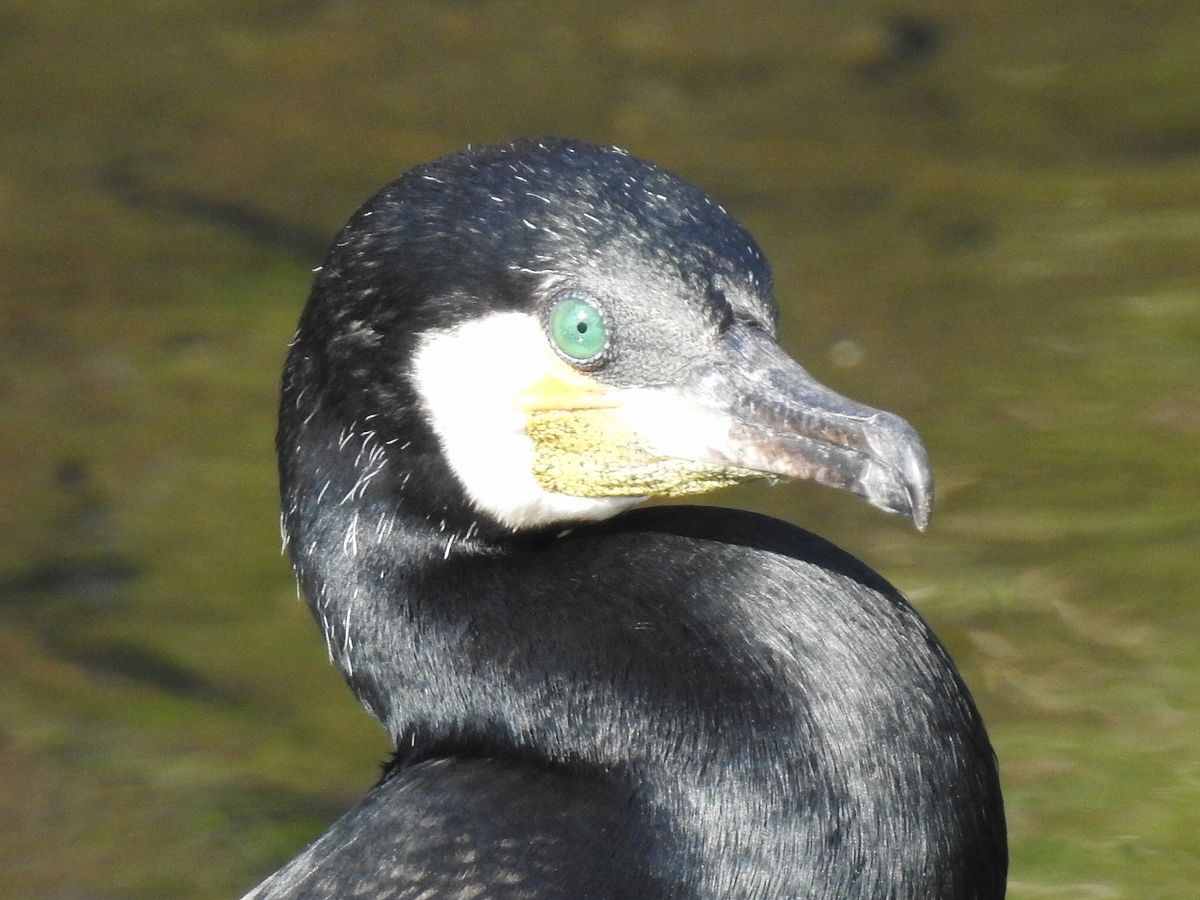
984,216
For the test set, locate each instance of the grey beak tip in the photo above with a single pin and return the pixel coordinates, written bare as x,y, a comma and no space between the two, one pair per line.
898,449
919,482
920,516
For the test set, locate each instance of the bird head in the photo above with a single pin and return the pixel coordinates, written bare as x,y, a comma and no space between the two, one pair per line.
569,330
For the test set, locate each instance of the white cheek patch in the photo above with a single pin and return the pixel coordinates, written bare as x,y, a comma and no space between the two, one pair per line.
468,379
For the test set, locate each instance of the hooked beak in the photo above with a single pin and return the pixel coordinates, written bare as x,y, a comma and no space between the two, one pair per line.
762,412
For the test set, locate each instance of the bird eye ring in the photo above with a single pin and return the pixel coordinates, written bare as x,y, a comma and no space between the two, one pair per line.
577,329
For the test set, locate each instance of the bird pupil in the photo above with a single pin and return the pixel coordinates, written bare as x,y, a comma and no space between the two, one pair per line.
581,327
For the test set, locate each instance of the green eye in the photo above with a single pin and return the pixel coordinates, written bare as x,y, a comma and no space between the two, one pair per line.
577,328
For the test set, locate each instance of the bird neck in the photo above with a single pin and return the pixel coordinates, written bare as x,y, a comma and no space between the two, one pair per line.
766,696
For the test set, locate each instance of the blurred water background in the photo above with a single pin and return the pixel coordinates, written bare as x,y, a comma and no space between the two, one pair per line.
984,216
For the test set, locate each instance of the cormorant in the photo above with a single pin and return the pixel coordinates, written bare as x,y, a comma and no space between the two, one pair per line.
504,351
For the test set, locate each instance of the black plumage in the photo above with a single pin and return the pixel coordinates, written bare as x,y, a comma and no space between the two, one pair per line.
675,702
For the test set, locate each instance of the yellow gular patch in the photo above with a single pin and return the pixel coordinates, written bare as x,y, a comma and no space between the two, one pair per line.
589,451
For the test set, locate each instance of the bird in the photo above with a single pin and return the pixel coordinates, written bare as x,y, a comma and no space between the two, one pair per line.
504,353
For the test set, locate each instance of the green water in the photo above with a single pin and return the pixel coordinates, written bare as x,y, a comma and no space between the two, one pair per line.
983,216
